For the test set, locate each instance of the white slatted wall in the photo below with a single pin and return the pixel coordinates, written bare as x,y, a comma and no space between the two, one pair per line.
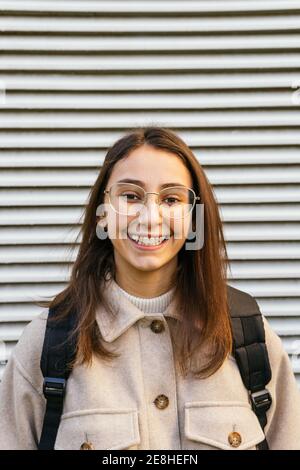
75,75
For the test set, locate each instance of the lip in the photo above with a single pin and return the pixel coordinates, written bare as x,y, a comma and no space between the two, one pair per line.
148,248
149,235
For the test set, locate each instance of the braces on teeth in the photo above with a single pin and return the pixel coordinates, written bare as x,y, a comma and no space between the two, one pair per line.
147,241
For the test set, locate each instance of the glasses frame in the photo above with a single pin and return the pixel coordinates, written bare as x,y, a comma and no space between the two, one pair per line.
108,191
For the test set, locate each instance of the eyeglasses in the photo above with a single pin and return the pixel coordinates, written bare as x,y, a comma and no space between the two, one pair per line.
175,202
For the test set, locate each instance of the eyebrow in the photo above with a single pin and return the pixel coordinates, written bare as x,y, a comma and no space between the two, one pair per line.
141,183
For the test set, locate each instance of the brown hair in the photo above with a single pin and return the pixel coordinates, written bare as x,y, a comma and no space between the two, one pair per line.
201,290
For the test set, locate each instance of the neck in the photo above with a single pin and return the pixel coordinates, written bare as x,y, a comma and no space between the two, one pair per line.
142,285
146,284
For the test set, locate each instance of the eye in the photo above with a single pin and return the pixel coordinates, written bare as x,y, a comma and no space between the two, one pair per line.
172,200
130,197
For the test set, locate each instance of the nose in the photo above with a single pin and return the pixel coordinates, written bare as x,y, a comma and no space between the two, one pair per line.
150,213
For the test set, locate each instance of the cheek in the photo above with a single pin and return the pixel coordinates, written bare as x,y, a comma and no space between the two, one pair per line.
117,226
181,228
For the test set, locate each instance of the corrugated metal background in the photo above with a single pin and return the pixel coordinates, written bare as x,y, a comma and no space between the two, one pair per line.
75,75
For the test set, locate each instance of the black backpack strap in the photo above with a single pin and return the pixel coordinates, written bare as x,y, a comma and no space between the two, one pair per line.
250,352
56,354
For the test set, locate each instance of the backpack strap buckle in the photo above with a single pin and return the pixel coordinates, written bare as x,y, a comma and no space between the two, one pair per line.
261,400
54,387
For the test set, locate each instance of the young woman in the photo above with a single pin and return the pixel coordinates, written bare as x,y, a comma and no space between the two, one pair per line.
154,366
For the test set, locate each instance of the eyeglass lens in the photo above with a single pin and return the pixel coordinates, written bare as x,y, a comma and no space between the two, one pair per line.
129,199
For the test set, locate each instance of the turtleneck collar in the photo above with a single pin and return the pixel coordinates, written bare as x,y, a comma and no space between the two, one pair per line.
150,305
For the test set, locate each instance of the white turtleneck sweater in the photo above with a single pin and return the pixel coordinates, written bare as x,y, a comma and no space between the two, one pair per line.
150,305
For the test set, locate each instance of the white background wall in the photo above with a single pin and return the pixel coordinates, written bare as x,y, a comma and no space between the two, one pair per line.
75,75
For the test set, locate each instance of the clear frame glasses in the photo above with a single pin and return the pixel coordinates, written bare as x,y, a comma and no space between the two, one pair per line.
175,202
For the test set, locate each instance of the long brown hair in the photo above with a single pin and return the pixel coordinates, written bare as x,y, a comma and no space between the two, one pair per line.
201,277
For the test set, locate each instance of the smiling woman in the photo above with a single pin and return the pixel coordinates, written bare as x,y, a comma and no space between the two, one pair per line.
163,353
154,160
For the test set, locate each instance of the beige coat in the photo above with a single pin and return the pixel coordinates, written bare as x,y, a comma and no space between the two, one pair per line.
116,406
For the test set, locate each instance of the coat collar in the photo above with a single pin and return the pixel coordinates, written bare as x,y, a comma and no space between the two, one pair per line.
125,313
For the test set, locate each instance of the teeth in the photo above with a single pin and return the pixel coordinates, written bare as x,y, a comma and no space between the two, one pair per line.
148,241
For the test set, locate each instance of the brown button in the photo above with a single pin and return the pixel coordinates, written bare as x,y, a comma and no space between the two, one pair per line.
161,402
157,326
87,446
234,439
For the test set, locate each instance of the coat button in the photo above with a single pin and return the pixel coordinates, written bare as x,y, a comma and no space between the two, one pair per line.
157,326
234,439
161,402
87,446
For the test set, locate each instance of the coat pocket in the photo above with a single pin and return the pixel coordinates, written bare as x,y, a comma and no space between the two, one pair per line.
104,429
221,425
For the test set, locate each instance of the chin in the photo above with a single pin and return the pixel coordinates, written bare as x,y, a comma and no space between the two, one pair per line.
147,266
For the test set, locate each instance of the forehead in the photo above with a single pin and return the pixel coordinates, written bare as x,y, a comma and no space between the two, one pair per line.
152,166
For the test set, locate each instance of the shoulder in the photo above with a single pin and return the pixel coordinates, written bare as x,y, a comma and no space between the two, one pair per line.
28,350
275,347
243,304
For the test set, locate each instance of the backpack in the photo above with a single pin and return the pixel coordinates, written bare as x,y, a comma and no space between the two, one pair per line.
249,350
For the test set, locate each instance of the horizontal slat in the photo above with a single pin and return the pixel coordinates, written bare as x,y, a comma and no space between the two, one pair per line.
86,157
51,197
85,119
6,350
286,326
180,24
40,273
10,331
268,174
92,139
269,288
29,293
19,312
36,254
260,270
279,307
145,44
37,235
260,231
260,213
165,7
63,177
254,194
291,345
36,216
143,82
142,62
264,250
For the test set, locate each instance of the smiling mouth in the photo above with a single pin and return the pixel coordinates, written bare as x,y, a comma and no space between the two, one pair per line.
147,241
